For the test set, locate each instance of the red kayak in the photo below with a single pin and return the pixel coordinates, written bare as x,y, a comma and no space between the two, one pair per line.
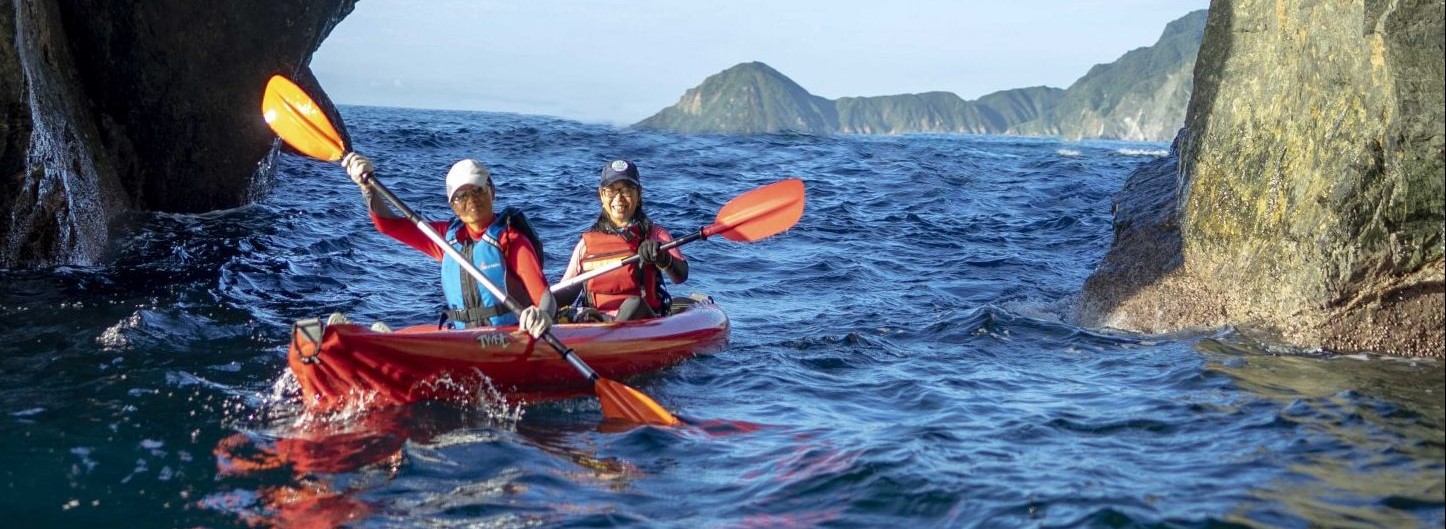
351,365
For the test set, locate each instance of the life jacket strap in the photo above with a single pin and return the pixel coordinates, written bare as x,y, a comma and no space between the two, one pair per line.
475,316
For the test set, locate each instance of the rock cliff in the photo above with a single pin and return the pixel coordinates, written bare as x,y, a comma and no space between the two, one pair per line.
117,106
1303,200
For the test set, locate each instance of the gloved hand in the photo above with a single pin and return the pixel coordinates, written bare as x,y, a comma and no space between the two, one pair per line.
358,167
537,319
651,252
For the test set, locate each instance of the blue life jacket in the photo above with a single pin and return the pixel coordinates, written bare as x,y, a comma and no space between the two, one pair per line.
470,304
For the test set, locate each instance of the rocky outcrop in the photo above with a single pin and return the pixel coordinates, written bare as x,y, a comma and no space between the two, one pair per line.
114,106
1304,198
1141,96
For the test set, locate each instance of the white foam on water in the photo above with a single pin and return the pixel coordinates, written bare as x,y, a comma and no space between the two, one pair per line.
114,338
1158,153
484,394
1050,311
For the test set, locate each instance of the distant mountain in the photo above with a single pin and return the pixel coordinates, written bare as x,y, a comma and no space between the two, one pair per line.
1140,96
749,98
927,112
1021,105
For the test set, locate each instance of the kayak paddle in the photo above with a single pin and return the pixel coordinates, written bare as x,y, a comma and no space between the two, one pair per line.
294,116
757,214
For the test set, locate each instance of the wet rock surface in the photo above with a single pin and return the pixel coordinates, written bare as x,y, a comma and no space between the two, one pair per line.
117,106
1304,197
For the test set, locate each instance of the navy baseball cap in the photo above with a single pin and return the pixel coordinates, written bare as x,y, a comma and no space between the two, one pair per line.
620,171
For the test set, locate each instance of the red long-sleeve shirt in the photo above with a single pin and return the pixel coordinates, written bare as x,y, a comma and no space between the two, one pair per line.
525,281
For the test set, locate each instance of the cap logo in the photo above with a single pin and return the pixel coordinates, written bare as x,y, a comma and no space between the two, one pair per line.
620,165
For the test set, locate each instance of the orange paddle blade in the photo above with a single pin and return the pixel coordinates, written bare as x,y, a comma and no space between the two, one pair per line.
760,213
624,403
299,122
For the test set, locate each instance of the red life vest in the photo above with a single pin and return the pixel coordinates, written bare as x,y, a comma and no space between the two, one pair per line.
607,291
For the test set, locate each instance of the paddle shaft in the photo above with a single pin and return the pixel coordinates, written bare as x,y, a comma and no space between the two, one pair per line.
762,212
511,304
580,278
294,116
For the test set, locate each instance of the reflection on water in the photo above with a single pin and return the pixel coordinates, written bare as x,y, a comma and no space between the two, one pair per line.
319,471
1386,392
898,359
1383,438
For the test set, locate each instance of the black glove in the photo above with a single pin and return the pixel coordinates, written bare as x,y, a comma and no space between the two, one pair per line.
650,252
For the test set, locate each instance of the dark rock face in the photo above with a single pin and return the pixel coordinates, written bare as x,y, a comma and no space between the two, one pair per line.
1306,190
111,106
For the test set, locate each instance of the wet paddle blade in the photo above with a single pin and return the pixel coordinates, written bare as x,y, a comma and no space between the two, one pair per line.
294,117
760,213
623,403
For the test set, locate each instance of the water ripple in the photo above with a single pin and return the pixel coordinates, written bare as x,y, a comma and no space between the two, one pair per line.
901,357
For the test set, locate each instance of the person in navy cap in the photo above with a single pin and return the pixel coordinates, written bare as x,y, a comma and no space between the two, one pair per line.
621,231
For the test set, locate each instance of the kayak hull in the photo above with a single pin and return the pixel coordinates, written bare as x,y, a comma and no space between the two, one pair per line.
347,365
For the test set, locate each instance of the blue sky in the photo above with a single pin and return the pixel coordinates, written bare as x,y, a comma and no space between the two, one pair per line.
616,61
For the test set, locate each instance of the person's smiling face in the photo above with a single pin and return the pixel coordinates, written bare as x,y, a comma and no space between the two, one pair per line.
473,205
620,201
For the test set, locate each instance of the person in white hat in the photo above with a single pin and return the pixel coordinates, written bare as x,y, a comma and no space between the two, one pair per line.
502,245
622,229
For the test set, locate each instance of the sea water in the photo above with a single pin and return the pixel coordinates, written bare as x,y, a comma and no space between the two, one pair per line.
903,357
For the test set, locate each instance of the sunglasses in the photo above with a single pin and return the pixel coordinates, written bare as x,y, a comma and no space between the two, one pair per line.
473,194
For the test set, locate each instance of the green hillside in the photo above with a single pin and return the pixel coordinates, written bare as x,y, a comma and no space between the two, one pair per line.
1140,96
